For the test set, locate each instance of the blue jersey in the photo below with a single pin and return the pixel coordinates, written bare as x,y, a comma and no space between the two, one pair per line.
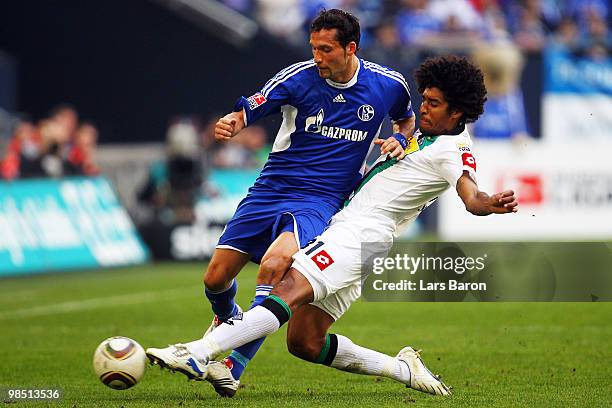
327,129
319,152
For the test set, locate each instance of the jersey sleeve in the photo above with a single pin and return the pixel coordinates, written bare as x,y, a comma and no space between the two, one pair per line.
453,161
401,105
267,101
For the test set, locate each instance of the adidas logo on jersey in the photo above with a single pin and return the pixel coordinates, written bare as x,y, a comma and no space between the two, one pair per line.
339,98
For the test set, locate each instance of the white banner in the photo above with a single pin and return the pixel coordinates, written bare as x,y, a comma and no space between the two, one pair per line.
564,192
567,117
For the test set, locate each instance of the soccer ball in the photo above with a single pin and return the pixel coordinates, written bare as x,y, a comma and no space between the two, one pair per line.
119,362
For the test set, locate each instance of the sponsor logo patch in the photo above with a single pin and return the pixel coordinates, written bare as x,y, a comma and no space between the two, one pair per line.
255,101
468,160
322,259
463,147
314,124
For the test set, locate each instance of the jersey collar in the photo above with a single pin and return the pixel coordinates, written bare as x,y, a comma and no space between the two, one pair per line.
456,131
348,84
425,139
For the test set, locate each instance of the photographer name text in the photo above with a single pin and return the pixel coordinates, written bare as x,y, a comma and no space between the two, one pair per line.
405,285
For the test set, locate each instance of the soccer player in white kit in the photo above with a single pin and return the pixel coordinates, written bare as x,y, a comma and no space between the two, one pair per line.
325,278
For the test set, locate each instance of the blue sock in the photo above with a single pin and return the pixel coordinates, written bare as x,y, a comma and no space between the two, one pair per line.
240,357
222,303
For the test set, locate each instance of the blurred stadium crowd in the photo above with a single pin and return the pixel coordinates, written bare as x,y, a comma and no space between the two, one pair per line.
393,30
498,34
56,146
60,145
396,33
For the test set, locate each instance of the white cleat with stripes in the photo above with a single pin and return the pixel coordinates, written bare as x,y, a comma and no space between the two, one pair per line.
177,357
421,379
221,378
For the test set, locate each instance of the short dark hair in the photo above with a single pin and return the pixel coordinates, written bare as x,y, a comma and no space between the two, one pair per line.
460,81
346,24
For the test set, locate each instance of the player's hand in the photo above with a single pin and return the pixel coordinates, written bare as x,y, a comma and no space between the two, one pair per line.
225,128
504,202
392,146
229,125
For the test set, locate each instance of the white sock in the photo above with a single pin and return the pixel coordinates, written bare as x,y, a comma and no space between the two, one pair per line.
256,323
360,360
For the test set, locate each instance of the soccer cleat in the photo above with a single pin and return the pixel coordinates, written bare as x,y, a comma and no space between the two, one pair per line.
216,322
221,378
421,379
177,357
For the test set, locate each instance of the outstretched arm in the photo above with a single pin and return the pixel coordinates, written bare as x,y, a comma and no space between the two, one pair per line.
480,203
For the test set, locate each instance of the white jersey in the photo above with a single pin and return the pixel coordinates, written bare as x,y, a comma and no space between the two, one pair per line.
393,193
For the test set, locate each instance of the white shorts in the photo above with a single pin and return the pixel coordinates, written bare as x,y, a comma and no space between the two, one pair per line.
332,265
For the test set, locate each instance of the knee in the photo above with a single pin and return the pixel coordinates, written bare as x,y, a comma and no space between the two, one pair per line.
272,269
304,347
217,277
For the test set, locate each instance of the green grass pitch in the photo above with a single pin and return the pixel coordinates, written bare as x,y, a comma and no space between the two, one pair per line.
505,354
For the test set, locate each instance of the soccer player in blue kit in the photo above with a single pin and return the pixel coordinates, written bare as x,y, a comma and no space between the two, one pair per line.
332,107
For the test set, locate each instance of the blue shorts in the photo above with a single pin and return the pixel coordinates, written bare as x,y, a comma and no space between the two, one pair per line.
261,218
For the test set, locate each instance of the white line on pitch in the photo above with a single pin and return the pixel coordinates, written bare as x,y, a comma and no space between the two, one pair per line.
95,303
